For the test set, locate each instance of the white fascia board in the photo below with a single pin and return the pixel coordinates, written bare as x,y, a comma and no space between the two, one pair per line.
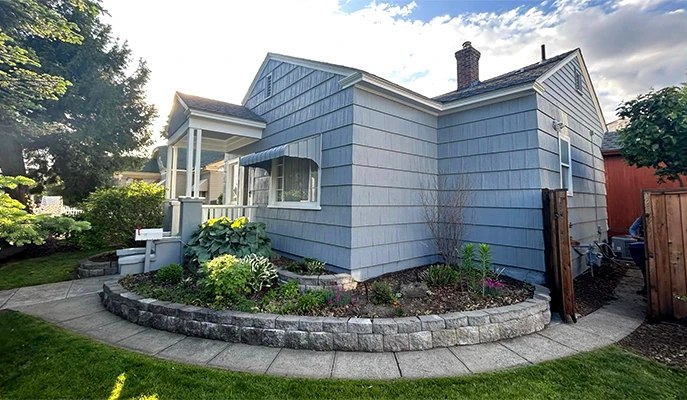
577,54
226,118
402,95
487,97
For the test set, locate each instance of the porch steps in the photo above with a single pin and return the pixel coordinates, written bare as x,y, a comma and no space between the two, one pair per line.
164,252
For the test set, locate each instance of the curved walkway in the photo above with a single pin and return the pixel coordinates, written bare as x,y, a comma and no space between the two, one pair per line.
76,306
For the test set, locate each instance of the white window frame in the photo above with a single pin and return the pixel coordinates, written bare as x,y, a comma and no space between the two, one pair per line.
309,205
269,88
564,138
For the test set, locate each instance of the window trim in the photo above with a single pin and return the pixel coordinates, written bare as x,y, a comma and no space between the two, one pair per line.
309,205
269,87
565,138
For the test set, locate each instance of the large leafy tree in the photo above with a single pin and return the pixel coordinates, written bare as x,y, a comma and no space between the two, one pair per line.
101,120
656,134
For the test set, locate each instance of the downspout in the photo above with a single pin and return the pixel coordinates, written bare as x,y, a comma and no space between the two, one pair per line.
596,201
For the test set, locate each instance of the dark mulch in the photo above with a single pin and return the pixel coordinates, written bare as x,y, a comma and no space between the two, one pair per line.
284,262
663,342
439,300
102,257
593,292
435,300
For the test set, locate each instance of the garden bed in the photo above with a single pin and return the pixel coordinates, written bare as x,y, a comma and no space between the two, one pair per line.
407,296
592,292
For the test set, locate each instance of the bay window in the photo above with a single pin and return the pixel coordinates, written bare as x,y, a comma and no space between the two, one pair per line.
295,183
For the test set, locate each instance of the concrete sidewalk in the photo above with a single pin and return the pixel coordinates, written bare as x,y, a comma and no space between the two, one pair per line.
85,314
51,292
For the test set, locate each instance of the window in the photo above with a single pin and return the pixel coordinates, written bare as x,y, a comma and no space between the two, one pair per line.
578,80
268,86
295,182
565,171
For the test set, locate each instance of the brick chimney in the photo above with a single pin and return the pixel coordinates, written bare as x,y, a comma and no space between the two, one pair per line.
467,60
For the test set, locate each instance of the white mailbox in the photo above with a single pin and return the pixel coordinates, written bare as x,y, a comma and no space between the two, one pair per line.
148,234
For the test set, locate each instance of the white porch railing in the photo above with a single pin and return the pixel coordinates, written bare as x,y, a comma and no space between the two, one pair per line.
229,211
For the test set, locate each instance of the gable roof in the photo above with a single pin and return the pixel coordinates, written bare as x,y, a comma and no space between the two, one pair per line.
610,142
206,157
218,107
526,74
150,166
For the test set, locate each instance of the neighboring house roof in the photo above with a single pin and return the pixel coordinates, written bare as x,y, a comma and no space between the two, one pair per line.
610,142
219,107
150,166
617,124
526,74
206,157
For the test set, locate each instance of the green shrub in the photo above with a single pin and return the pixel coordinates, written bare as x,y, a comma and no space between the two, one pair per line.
263,273
381,293
311,301
225,236
172,274
115,214
227,276
440,275
289,291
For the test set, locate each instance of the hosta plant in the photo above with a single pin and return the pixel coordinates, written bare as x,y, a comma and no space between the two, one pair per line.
223,235
263,273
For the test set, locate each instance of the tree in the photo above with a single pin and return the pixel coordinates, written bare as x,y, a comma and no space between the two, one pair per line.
23,86
100,122
656,134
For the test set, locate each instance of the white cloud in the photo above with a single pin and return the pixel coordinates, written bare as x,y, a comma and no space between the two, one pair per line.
214,48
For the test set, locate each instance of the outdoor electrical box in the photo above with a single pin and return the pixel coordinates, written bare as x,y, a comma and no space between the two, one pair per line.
621,246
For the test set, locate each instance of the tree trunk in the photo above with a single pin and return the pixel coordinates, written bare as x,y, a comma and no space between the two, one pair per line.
679,180
12,164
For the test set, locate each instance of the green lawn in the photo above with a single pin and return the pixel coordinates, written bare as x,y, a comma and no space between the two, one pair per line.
38,360
36,271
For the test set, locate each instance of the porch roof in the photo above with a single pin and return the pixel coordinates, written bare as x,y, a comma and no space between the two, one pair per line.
219,107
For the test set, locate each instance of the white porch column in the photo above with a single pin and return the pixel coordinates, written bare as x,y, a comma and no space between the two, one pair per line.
227,179
168,182
196,187
189,163
172,172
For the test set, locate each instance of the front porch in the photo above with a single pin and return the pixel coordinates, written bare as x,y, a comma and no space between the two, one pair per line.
199,125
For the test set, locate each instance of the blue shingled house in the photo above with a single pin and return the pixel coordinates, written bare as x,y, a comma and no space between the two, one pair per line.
334,160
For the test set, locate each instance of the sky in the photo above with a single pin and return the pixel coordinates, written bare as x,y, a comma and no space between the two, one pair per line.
214,48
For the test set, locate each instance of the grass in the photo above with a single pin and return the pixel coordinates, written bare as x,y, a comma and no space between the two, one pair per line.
38,360
37,271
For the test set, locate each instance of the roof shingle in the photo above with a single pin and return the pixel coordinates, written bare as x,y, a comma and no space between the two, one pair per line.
610,141
219,107
527,74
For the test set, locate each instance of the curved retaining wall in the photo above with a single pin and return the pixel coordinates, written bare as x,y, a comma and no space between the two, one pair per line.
324,333
88,268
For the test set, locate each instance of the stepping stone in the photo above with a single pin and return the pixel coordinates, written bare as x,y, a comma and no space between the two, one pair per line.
151,341
243,357
487,357
194,350
536,348
302,363
115,332
430,363
357,365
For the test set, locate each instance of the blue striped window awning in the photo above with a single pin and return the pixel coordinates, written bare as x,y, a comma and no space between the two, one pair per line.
310,148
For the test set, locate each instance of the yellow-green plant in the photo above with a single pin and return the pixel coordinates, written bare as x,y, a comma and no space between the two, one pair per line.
227,276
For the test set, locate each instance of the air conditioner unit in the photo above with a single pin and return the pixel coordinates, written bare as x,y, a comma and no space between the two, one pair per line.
621,246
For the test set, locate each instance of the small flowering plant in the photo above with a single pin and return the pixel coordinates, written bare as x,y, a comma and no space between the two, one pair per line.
338,297
492,287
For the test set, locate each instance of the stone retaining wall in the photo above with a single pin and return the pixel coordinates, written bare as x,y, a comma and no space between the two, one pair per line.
88,268
314,282
323,333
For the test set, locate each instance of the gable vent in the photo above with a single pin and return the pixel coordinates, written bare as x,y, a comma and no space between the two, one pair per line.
268,86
